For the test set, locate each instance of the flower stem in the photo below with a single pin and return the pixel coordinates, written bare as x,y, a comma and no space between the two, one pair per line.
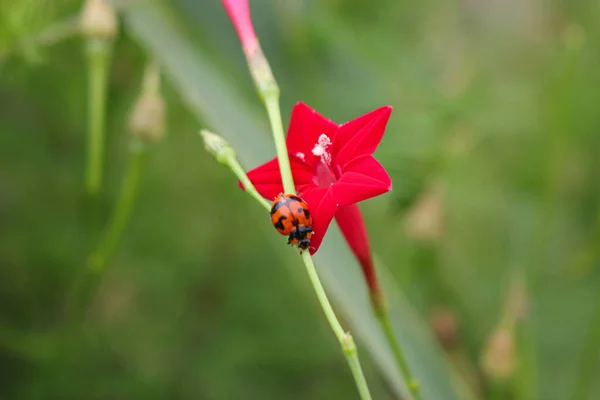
224,153
98,53
412,384
272,104
98,259
248,186
218,147
88,277
268,91
345,338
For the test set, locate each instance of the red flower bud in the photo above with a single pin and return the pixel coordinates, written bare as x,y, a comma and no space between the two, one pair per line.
239,13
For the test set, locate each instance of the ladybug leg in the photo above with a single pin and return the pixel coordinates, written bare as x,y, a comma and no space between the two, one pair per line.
293,235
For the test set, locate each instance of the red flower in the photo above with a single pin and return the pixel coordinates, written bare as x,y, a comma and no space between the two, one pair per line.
239,13
333,169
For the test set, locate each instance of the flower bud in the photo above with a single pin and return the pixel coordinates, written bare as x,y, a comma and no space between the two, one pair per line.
239,13
147,120
217,146
98,19
498,360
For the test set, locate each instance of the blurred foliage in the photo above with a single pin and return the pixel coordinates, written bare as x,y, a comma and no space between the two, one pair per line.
493,145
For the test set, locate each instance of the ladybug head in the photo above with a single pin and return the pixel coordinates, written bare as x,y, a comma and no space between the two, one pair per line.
303,244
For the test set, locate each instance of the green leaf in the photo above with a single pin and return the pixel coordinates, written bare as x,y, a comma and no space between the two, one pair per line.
212,99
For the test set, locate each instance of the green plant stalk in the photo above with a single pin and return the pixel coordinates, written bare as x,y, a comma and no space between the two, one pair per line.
100,257
412,384
227,157
98,55
345,338
248,186
272,104
88,277
268,91
271,99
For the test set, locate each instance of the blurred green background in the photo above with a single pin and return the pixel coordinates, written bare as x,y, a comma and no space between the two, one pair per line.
493,148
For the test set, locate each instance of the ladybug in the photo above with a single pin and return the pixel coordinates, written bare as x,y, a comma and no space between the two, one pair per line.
290,216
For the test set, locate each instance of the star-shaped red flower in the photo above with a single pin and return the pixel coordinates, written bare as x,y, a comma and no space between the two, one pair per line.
332,165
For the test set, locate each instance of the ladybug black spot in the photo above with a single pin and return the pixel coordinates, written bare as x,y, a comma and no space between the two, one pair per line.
276,207
279,223
306,213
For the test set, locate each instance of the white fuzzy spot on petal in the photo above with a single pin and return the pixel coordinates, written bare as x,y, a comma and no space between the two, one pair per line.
300,155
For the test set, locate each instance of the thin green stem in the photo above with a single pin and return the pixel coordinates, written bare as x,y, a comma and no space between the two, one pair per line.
413,385
320,291
98,53
272,104
352,356
120,217
248,186
89,276
345,338
268,91
217,146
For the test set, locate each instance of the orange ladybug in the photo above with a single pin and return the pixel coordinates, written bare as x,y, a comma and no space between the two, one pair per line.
290,216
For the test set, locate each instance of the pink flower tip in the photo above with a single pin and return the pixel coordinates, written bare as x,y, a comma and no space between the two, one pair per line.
239,13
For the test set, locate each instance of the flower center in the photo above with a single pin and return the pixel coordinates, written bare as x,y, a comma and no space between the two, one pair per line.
321,149
324,173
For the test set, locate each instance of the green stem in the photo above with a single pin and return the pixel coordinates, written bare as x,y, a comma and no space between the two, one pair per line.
89,276
413,384
118,220
248,186
268,91
225,155
98,53
345,338
352,356
320,292
272,104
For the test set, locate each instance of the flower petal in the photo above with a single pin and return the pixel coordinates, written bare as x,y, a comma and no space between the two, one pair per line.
322,206
362,179
361,136
306,126
239,13
267,177
352,225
